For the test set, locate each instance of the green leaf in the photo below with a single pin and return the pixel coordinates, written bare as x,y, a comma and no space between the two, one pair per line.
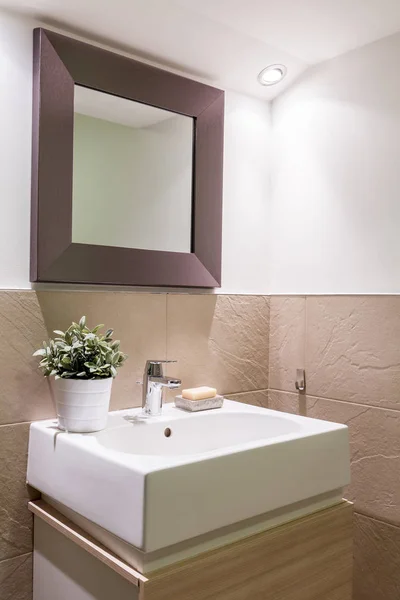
40,352
81,353
68,374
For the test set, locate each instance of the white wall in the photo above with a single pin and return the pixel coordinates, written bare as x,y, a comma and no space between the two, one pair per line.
333,218
245,172
15,150
245,228
335,211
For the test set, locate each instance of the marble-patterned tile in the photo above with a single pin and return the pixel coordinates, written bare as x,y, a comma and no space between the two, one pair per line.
287,341
16,578
375,454
15,519
376,560
353,350
138,320
221,341
24,393
256,398
374,447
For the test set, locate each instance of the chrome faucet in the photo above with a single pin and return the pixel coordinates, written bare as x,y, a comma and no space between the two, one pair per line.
154,383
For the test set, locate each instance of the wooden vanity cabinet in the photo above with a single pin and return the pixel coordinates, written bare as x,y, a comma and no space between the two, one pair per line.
306,559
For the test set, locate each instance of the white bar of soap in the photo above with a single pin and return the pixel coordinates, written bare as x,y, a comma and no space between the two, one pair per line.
199,393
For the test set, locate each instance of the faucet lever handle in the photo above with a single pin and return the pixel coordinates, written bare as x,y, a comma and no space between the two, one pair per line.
154,367
160,362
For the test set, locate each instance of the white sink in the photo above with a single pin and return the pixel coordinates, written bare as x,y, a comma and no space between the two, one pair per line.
158,482
205,433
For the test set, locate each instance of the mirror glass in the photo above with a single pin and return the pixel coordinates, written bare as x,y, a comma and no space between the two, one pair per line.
132,174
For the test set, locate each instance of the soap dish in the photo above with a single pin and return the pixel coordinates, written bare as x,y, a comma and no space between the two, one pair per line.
196,405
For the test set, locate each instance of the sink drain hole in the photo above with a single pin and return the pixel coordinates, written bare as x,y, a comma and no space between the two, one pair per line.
167,432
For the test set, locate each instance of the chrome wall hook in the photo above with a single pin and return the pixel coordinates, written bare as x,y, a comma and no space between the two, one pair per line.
300,380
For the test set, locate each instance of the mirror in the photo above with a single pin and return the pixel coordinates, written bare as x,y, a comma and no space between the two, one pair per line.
132,174
127,170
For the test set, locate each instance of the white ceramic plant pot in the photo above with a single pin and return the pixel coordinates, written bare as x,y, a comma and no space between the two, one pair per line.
82,404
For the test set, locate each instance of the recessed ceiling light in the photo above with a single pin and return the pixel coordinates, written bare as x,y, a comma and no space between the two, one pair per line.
272,74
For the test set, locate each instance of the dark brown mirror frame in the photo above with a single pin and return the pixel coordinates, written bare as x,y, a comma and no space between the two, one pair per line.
60,63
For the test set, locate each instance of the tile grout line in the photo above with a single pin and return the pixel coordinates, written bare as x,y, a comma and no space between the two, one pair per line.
362,514
246,392
269,344
305,341
23,422
16,556
395,410
166,326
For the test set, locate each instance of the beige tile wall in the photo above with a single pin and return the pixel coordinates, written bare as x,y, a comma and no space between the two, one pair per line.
220,341
350,348
16,578
217,340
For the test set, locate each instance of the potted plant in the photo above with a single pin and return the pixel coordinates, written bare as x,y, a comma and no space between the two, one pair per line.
83,363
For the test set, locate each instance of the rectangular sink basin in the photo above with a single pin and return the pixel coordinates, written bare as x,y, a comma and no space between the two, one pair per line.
160,481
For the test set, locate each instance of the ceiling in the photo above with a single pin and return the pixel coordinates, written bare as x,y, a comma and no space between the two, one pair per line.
227,42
